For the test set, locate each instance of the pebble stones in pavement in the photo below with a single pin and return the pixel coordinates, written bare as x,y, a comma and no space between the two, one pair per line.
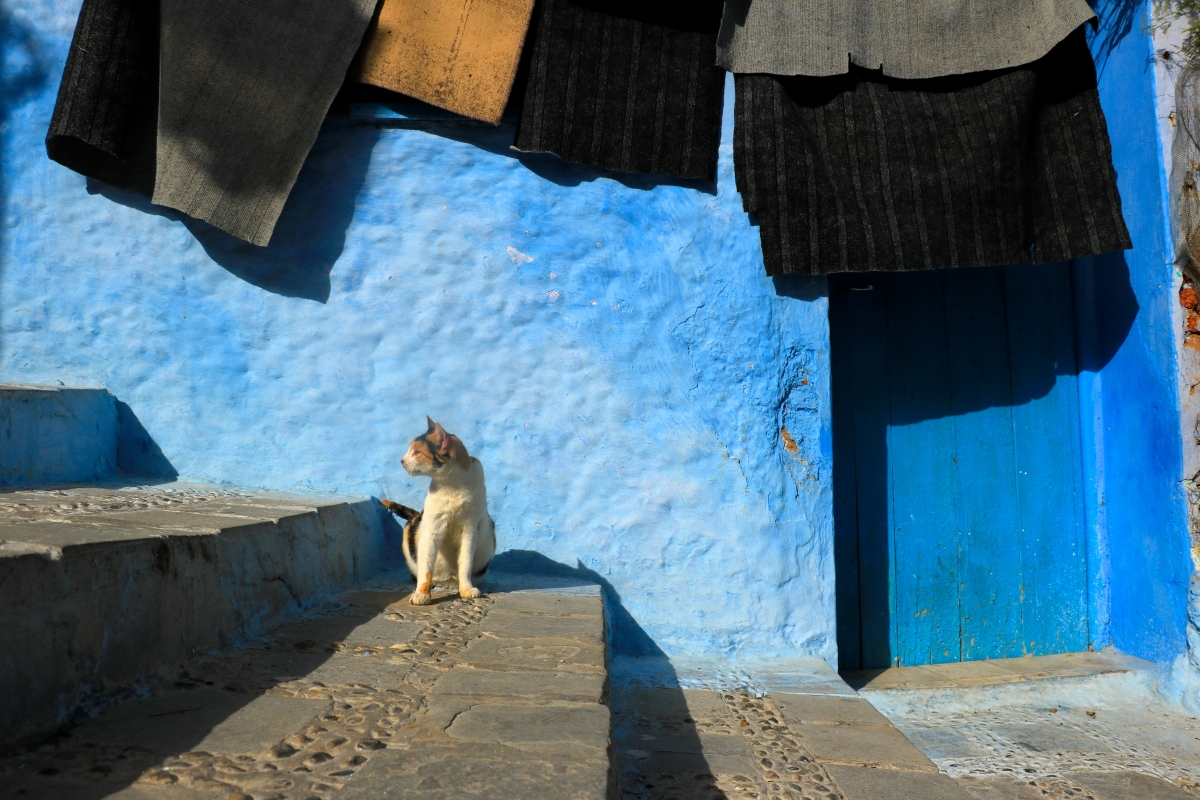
1140,748
307,712
683,744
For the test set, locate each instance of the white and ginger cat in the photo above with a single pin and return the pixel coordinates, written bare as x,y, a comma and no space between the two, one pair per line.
454,535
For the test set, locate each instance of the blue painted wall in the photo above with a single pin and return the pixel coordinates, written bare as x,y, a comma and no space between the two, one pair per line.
1131,404
608,347
56,435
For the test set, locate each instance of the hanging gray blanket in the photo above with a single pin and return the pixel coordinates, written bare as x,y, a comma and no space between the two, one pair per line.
858,172
907,38
106,114
244,87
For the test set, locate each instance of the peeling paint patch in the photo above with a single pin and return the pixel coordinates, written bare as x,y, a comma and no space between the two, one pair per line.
518,257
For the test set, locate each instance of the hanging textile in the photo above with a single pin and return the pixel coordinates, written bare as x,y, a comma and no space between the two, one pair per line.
460,55
862,172
906,38
625,86
106,114
244,87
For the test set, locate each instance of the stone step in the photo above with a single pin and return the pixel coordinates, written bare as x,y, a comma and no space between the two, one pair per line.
999,672
56,434
369,696
102,585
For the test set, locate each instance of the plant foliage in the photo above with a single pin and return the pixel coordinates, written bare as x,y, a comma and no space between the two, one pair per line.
1166,12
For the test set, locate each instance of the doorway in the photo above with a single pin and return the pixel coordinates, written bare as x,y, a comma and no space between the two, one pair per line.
958,477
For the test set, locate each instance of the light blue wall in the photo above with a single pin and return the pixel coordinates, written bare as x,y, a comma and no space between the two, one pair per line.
1131,405
626,388
625,385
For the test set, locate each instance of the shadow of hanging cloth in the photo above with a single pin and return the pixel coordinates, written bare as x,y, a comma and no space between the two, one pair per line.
311,232
106,117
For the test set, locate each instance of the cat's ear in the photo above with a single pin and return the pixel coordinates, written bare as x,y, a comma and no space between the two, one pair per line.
436,434
458,451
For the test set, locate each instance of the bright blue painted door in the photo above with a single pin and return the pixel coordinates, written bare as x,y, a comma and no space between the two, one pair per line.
957,466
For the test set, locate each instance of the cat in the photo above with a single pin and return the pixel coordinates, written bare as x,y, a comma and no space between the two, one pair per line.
453,537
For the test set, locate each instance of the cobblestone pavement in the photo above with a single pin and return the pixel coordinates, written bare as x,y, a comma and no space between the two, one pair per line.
674,743
679,744
1097,741
371,697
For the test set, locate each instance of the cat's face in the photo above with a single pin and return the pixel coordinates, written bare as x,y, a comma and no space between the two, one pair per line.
435,452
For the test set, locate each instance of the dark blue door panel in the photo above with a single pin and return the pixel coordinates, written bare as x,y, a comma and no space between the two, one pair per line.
957,466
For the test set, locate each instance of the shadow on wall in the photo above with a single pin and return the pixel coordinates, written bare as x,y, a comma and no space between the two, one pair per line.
801,287
959,496
137,453
311,232
498,141
1118,18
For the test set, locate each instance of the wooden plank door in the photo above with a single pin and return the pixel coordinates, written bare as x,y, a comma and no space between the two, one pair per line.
959,531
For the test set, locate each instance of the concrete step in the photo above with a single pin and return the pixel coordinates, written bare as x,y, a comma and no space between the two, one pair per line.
56,434
101,586
499,697
999,672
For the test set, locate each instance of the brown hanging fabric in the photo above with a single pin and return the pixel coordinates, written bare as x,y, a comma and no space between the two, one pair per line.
862,172
106,114
626,86
460,55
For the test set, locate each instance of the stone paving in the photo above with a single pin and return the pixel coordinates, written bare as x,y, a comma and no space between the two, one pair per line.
1076,728
1090,742
507,696
677,743
102,584
500,696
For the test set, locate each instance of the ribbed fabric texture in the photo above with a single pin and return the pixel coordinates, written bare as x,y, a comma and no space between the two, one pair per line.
245,85
861,172
106,115
907,38
625,89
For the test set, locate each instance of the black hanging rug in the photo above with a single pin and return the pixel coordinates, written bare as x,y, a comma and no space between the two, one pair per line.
106,116
861,172
625,86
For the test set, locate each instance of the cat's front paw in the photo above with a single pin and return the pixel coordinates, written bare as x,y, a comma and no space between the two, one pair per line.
420,598
468,593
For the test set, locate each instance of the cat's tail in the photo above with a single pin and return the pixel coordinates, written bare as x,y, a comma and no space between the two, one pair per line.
408,542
